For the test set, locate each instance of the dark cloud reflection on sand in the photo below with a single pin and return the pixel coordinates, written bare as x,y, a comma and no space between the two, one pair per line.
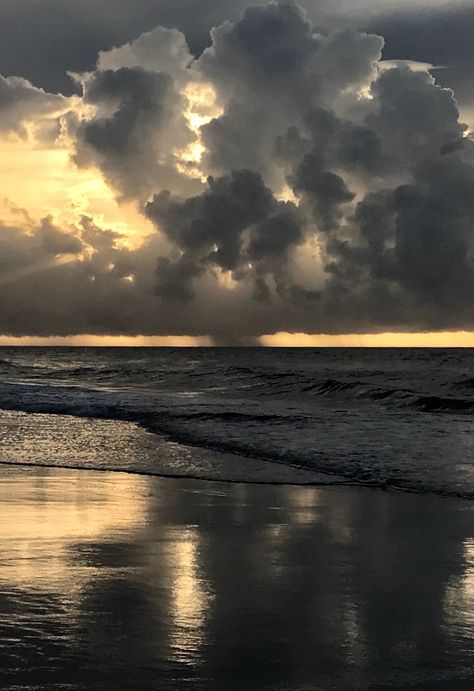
109,581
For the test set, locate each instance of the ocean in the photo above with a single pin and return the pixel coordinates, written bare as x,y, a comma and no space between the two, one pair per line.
400,419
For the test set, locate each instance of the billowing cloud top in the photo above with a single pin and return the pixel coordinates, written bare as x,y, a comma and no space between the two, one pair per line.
294,181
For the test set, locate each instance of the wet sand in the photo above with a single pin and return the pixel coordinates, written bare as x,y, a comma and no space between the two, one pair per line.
117,582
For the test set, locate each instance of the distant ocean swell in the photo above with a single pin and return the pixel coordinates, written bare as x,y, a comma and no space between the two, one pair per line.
258,383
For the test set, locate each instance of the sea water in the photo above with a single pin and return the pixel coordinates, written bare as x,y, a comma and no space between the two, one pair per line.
395,418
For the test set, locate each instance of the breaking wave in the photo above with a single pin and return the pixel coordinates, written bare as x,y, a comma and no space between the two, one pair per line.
389,419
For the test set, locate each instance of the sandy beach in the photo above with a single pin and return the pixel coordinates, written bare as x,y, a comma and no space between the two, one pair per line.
112,581
237,345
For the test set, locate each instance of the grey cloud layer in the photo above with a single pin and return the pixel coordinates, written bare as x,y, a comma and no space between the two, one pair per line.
42,40
378,172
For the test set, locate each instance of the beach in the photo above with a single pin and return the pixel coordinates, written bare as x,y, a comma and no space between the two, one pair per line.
119,582
237,345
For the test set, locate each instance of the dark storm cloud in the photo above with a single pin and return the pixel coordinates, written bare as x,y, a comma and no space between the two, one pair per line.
339,195
326,191
335,142
276,234
442,37
405,258
403,255
434,236
414,117
108,289
270,69
138,122
174,279
234,222
47,287
412,246
213,222
44,39
262,70
158,50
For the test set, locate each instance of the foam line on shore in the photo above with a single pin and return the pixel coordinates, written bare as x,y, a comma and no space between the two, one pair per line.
268,483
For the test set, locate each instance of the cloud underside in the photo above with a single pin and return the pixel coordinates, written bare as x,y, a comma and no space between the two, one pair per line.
294,180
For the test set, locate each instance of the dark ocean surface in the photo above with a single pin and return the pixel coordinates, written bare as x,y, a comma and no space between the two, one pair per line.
395,418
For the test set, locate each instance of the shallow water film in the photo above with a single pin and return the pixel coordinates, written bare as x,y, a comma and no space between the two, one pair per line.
111,581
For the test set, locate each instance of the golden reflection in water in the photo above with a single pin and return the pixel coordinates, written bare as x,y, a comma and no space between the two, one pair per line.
239,503
304,504
355,640
56,525
459,600
301,511
276,536
44,516
190,596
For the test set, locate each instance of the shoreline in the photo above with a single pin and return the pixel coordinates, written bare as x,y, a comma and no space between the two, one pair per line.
111,580
317,484
99,445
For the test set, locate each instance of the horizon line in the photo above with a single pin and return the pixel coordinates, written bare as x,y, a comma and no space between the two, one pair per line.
438,339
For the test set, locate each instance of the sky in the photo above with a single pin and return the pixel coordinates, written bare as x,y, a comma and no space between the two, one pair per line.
224,172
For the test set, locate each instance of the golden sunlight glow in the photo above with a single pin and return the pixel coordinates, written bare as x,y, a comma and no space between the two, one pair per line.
190,597
304,502
286,194
202,103
109,341
446,339
202,108
45,181
365,94
414,65
467,117
226,280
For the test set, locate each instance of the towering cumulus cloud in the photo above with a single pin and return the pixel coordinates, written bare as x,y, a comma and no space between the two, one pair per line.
138,122
294,180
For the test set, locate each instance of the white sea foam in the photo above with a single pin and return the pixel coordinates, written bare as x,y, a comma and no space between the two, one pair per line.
397,418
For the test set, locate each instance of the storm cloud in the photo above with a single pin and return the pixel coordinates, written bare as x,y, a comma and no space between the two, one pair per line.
44,40
295,182
235,225
138,125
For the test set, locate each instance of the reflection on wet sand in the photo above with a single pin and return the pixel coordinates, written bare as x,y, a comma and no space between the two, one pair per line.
190,596
46,512
115,582
460,596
